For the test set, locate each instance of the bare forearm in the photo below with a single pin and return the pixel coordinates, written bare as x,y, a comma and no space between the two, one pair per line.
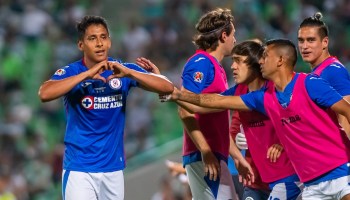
213,101
196,109
53,89
191,125
152,82
235,153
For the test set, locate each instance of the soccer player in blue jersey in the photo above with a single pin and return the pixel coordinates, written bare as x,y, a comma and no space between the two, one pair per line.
313,44
94,90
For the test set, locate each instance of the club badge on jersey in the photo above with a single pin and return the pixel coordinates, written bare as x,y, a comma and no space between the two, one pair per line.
115,83
198,77
60,72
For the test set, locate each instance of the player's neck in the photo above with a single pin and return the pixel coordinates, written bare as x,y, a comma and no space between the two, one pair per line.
88,63
283,79
216,54
319,60
256,84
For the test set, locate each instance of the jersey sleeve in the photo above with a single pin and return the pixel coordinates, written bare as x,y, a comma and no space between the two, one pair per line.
255,100
198,74
338,77
64,72
230,92
321,92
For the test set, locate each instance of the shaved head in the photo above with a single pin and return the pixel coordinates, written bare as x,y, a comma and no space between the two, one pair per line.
284,48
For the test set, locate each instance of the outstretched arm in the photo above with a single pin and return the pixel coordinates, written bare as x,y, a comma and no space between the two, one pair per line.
148,81
191,108
211,100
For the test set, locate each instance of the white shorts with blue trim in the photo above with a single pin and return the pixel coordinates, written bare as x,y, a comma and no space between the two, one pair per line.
92,186
332,189
204,189
287,191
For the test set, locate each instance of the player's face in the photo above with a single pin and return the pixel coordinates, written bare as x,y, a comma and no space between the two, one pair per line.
311,46
230,41
95,44
240,69
269,62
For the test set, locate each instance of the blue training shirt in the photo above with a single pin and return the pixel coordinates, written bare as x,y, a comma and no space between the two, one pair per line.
198,74
95,114
338,77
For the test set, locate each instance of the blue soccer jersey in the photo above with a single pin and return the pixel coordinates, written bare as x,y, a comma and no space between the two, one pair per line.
95,120
338,77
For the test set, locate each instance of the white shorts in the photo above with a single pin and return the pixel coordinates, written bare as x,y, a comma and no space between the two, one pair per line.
287,191
200,189
92,186
332,189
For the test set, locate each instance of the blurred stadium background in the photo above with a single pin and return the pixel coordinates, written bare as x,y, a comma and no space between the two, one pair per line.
38,36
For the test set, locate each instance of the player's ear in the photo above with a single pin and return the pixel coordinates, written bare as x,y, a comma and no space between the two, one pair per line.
325,42
80,45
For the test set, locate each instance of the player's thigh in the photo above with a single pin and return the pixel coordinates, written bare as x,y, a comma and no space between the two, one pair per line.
112,186
203,188
199,187
77,185
333,189
226,188
287,190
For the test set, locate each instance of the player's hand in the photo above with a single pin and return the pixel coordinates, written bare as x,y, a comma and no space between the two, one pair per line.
95,71
274,152
245,171
241,141
212,167
147,65
170,97
118,69
175,168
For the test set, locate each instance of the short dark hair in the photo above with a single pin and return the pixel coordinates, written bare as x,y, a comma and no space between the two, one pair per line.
316,21
290,49
253,50
210,27
88,21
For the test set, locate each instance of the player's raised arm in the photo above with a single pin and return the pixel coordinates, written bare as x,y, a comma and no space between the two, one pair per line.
148,81
53,89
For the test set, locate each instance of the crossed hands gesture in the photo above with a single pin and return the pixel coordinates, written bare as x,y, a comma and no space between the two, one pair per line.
118,69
